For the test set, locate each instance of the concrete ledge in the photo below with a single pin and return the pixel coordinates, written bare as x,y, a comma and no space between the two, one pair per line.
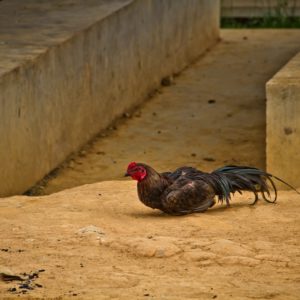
283,123
68,68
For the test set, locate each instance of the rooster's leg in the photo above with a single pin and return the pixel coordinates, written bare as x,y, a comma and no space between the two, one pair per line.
267,200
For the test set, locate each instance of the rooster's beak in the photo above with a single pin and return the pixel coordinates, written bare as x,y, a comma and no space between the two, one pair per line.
126,174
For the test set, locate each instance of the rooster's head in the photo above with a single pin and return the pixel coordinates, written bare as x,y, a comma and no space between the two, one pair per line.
136,171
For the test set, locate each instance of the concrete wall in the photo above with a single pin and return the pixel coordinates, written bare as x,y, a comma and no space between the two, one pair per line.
77,68
283,123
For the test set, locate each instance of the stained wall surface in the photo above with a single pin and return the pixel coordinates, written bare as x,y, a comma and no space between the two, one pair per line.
283,123
68,68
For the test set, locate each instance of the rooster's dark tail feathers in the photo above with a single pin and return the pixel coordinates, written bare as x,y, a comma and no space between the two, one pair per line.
231,179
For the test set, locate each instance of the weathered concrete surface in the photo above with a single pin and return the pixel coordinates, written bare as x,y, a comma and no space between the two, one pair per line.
283,122
68,68
99,242
180,126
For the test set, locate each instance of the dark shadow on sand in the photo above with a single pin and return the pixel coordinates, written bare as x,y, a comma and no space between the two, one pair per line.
217,209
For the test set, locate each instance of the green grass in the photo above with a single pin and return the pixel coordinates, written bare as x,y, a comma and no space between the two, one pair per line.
282,15
265,22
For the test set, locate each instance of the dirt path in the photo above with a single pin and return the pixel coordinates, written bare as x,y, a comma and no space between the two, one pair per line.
213,114
109,246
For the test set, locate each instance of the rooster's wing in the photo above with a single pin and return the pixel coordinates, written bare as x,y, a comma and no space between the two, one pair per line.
186,172
186,196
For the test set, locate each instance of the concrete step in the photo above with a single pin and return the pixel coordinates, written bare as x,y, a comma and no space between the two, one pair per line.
283,122
68,68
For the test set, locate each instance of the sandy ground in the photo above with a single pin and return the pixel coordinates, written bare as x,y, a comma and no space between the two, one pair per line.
213,114
99,242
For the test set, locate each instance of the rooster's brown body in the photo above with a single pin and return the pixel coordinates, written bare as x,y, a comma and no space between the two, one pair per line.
188,190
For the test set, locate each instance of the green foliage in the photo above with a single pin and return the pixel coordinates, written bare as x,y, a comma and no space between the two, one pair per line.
265,22
280,16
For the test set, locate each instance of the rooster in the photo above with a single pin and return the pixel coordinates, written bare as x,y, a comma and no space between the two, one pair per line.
188,190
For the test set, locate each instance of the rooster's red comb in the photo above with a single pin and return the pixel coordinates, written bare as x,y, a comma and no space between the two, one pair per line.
131,165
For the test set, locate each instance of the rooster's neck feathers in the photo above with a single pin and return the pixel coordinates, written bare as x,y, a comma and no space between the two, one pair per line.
151,187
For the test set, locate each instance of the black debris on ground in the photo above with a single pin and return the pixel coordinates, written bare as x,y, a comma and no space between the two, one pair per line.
26,282
209,159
